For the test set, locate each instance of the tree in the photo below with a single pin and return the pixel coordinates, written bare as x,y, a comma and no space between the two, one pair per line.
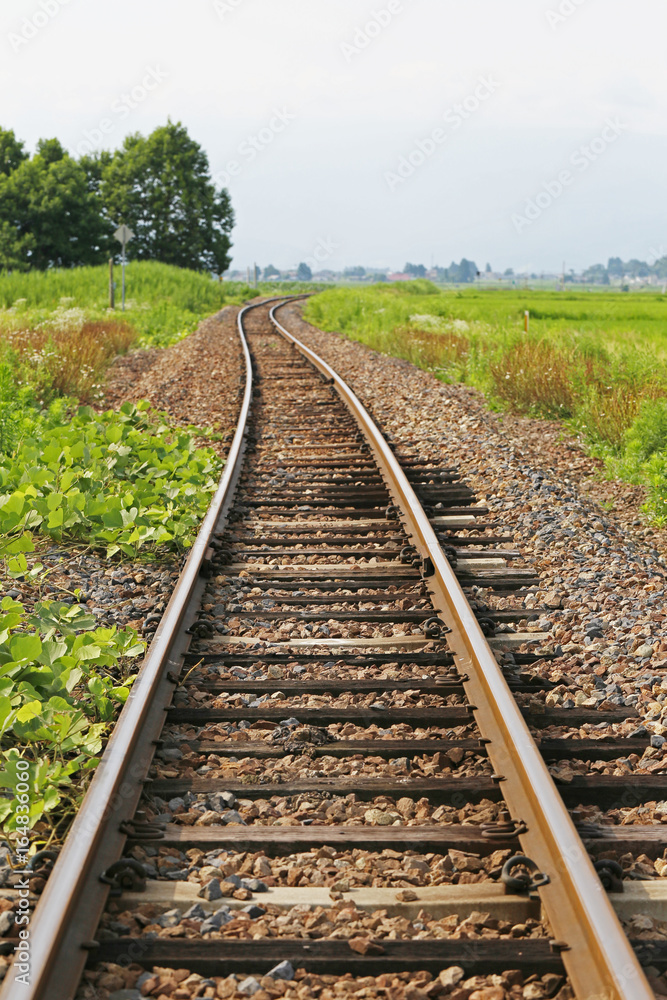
615,267
468,271
596,274
59,212
94,165
354,272
161,188
660,268
509,273
463,273
638,268
48,216
416,270
50,150
271,272
488,269
12,153
304,273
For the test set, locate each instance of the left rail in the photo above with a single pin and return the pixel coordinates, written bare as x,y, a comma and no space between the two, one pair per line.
74,897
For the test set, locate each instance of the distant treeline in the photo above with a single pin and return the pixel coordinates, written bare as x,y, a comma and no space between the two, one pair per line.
618,269
58,211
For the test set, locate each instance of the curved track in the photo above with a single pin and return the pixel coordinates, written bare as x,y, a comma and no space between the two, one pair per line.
317,554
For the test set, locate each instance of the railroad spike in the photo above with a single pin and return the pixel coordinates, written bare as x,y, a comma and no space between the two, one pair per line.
611,874
505,827
520,875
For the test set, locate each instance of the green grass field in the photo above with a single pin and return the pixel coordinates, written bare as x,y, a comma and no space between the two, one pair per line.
163,303
595,360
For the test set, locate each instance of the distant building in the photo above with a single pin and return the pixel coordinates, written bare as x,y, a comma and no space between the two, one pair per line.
399,276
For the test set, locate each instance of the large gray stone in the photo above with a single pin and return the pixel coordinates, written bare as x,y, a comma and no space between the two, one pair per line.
249,987
284,970
169,919
211,890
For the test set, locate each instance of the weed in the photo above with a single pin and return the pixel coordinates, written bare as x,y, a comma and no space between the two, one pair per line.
123,481
63,679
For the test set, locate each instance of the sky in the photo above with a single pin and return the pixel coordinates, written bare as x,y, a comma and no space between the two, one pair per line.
523,133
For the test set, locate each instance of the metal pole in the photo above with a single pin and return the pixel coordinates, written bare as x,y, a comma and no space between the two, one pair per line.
112,297
123,276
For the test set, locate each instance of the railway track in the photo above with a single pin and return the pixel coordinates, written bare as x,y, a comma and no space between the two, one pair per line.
329,765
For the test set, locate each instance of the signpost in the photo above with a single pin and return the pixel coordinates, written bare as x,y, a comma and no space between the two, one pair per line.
124,234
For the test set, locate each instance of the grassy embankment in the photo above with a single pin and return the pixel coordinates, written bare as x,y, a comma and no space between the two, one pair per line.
593,360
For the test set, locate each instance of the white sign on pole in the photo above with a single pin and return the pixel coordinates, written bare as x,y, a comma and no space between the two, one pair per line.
124,234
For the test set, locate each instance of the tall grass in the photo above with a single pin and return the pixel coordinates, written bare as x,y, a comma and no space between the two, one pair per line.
58,333
67,361
147,282
596,361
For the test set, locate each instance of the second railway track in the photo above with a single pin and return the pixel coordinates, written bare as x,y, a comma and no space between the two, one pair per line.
343,769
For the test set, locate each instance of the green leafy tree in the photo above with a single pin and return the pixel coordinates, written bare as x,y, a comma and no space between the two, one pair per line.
12,153
596,274
51,150
161,187
462,273
468,271
416,270
660,267
48,215
304,273
271,272
638,268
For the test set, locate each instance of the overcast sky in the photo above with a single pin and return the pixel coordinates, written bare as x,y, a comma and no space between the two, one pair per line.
519,132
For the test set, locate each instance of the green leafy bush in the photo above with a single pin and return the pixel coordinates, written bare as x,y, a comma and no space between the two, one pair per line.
17,409
644,457
648,434
122,481
61,681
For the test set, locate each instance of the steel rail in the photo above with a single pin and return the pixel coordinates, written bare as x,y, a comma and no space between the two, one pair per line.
596,952
74,897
